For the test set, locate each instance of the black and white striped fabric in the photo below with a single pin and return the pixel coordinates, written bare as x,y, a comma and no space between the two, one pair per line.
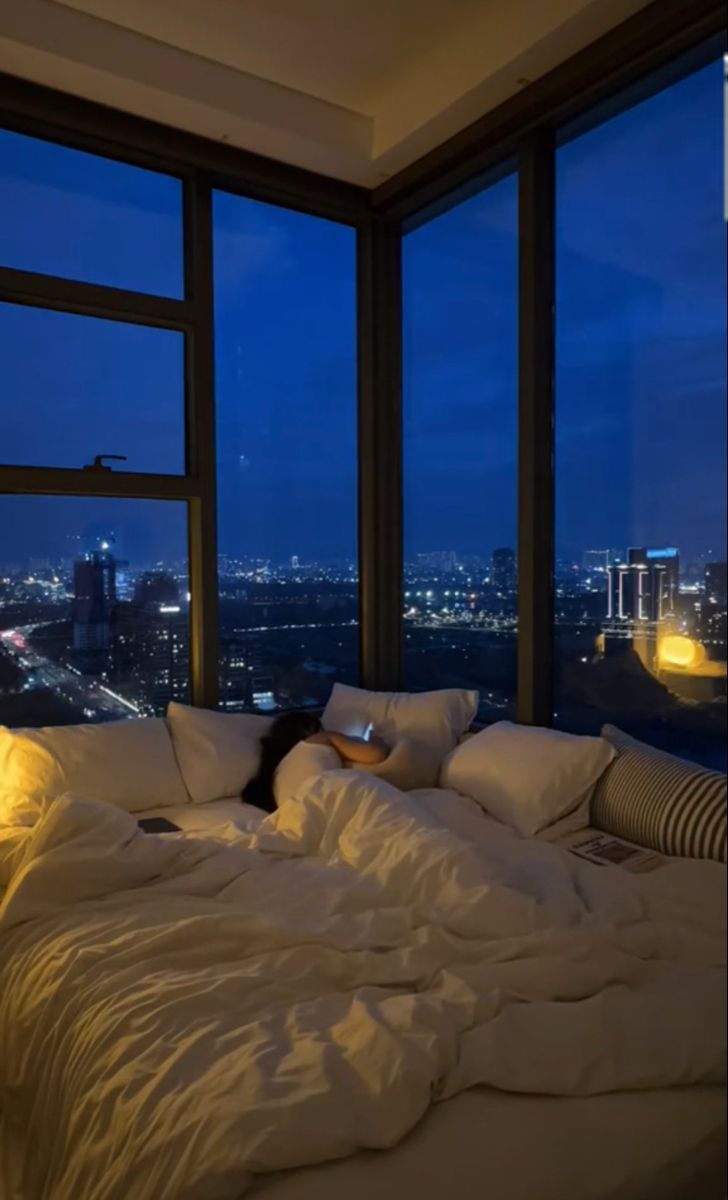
660,801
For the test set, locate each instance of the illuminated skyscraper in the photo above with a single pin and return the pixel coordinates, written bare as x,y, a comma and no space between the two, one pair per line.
664,560
642,594
162,640
503,570
596,561
716,591
94,592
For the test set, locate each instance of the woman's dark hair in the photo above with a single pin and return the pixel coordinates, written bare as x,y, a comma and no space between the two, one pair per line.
286,732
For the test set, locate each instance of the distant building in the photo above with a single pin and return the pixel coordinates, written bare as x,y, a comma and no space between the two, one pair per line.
596,561
445,561
235,680
716,591
641,594
646,587
94,598
156,588
503,575
667,560
162,667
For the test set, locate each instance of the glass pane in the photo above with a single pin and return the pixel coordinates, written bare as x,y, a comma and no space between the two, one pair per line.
460,449
94,609
68,213
285,326
641,423
73,387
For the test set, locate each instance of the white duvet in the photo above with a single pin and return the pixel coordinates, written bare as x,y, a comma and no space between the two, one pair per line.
178,1015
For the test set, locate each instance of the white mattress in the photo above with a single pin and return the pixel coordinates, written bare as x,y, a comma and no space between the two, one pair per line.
484,1145
662,1145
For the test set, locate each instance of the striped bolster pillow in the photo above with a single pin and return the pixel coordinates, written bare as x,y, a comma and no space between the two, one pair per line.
660,801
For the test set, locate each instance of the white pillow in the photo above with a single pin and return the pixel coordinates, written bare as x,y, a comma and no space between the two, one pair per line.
408,766
538,781
127,763
435,719
218,753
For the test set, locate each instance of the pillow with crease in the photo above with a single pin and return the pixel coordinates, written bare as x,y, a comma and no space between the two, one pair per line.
433,721
218,753
130,764
538,781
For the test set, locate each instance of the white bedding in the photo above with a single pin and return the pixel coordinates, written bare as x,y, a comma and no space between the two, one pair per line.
184,1014
487,1145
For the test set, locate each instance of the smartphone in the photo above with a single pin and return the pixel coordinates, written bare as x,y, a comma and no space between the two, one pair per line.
157,825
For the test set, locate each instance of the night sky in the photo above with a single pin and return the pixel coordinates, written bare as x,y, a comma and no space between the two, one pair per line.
640,369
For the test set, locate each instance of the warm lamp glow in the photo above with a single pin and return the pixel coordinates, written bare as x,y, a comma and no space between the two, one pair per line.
678,651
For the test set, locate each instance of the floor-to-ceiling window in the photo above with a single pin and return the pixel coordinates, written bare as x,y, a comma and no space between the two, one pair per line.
460,305
94,591
285,359
641,421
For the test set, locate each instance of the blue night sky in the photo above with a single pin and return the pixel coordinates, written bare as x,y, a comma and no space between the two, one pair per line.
640,364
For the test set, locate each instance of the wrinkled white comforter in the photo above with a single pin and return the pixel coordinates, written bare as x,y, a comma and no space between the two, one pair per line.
177,1015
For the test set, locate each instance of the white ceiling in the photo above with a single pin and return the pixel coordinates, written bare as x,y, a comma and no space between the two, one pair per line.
356,89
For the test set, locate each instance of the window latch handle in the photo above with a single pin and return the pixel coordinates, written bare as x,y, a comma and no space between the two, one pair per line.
100,463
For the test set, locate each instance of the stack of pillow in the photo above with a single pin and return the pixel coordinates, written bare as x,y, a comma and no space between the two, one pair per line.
541,782
196,756
193,757
544,783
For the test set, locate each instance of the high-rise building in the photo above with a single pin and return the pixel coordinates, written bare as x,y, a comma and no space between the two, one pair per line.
94,597
235,681
646,587
503,570
716,591
665,559
596,561
156,588
164,656
642,594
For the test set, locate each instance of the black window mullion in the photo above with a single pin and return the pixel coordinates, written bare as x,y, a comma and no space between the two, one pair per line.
70,481
536,430
201,445
93,299
380,452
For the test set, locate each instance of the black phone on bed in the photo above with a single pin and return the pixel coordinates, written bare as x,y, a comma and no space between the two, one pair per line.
157,825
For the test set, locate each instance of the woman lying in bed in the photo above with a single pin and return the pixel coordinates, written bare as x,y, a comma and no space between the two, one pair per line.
287,732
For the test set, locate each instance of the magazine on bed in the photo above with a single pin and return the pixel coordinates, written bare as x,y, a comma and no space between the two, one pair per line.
607,850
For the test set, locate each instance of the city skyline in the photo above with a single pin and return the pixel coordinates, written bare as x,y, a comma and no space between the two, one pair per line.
639,631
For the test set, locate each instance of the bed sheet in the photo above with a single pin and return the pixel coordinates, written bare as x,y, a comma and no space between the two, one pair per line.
661,1145
225,818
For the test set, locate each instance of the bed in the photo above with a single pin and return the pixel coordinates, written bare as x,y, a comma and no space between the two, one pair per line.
656,1145
640,1117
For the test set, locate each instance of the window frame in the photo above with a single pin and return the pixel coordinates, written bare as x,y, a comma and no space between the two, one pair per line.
201,167
671,36
660,45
